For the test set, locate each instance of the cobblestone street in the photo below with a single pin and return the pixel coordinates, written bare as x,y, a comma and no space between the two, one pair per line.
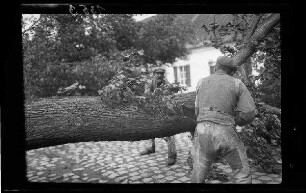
120,162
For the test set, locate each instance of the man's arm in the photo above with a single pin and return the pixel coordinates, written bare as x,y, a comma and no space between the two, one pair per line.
245,106
147,91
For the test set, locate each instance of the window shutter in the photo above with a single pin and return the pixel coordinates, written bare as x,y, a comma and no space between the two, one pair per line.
188,82
175,74
212,69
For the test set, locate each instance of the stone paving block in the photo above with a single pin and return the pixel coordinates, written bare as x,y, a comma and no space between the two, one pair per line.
123,172
122,178
133,169
93,179
112,176
54,178
153,164
157,171
180,174
158,176
169,178
68,175
135,178
108,173
184,179
154,168
174,166
75,180
143,170
254,181
75,177
78,169
145,175
130,166
146,180
215,182
134,174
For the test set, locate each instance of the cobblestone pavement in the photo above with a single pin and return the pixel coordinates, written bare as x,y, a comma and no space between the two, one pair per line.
119,162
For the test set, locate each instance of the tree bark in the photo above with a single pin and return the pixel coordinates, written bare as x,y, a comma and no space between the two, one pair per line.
57,121
250,46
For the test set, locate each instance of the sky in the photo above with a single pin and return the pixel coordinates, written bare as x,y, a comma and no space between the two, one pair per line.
36,16
144,16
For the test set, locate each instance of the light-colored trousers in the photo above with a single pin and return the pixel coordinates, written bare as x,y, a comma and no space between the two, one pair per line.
214,141
170,143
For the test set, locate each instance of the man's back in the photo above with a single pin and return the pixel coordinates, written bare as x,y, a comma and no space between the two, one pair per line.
217,97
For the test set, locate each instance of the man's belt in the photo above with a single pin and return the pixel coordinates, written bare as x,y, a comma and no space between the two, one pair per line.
212,109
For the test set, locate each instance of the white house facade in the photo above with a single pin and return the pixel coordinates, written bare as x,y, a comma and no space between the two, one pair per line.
199,64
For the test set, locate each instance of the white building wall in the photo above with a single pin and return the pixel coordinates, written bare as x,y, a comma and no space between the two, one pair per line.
198,61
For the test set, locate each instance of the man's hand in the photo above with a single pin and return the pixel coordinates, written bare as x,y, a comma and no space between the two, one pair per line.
158,91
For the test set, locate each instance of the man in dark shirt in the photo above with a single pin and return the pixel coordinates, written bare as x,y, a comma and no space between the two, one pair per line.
222,102
157,82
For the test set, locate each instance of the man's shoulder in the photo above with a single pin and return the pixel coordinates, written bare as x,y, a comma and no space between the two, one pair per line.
204,79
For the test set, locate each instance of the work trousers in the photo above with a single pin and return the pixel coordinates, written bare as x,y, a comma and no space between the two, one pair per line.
170,143
213,142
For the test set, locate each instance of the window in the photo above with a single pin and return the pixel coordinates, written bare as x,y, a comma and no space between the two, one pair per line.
182,75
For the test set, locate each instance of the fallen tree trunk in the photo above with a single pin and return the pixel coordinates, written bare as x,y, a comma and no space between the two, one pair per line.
57,121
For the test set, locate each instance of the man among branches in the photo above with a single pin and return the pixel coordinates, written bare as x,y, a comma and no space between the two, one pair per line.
152,87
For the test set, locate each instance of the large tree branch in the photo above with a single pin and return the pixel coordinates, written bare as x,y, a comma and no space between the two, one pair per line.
250,46
253,27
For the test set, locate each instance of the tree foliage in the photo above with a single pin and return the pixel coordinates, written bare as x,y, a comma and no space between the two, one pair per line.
92,49
164,38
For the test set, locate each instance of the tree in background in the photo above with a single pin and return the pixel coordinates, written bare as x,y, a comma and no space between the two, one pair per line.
90,49
164,37
66,48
